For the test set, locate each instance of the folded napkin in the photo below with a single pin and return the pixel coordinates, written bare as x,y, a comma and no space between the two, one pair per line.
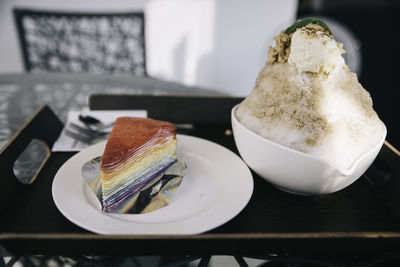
67,143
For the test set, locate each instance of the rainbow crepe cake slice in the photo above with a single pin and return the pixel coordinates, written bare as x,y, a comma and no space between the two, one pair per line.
138,155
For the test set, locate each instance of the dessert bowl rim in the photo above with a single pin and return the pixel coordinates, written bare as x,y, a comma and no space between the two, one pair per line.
349,170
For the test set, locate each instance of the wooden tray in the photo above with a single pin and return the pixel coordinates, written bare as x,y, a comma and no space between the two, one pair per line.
363,218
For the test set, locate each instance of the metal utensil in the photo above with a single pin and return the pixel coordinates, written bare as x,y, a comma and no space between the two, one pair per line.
84,134
80,137
86,131
93,123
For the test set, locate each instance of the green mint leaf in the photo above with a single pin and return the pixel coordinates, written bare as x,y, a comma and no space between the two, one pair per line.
304,22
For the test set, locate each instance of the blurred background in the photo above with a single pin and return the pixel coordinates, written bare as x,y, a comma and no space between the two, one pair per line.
223,44
219,44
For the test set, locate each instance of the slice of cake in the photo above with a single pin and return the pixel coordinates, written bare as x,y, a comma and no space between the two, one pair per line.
138,153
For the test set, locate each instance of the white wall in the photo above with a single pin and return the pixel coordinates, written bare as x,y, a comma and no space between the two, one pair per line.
218,44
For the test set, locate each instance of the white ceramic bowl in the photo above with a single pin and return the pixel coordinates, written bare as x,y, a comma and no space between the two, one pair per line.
294,171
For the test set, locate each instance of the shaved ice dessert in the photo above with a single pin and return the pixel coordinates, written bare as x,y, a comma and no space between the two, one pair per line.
307,99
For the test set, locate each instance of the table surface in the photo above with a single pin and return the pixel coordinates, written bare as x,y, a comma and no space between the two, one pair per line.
22,94
271,219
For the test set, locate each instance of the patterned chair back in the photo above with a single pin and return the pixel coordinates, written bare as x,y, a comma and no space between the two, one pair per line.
77,42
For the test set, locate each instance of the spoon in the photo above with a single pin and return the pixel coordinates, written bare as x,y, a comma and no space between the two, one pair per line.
93,124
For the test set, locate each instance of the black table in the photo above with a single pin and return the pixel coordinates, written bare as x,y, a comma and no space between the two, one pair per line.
361,222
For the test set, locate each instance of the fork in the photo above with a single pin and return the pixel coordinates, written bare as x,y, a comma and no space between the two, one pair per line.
86,131
82,134
80,137
93,123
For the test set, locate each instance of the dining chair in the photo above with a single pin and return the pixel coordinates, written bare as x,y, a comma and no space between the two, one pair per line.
82,42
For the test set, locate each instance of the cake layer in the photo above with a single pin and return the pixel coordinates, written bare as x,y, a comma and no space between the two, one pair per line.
137,160
138,169
129,135
156,194
126,194
137,154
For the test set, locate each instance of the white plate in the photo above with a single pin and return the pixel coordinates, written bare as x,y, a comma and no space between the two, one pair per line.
217,187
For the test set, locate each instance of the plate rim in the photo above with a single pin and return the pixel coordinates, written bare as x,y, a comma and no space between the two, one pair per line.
174,227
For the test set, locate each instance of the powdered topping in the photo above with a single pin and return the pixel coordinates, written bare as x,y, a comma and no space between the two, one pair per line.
280,52
306,98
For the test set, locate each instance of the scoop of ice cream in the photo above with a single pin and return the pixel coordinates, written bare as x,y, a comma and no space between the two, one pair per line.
307,99
314,50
